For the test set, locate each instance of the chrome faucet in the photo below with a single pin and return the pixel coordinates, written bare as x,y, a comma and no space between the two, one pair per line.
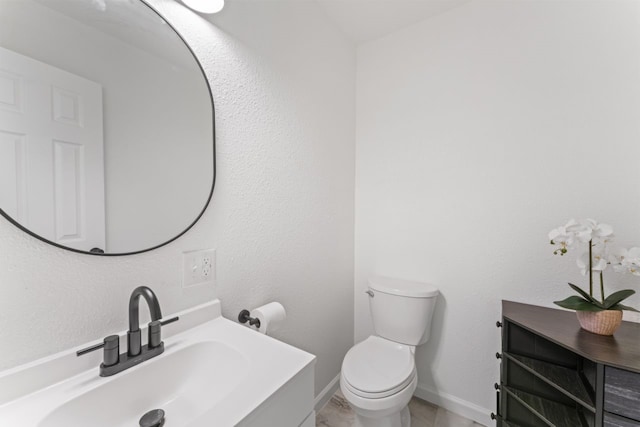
134,338
115,362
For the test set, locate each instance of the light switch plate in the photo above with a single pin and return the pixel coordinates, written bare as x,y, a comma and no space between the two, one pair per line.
198,267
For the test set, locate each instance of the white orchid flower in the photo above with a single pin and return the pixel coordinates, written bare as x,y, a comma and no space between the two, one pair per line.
583,233
603,231
572,225
560,236
564,236
590,230
633,261
630,262
615,259
626,261
599,262
597,232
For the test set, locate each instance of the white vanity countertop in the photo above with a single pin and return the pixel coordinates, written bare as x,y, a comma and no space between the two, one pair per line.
221,364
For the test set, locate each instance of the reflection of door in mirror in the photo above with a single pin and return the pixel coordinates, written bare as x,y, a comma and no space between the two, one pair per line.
51,152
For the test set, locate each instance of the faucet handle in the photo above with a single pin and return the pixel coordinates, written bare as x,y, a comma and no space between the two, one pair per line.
111,345
166,322
155,331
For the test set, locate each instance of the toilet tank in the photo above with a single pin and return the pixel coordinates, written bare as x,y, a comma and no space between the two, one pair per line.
401,309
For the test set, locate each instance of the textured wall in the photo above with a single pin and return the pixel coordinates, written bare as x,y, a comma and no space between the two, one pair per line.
281,218
477,132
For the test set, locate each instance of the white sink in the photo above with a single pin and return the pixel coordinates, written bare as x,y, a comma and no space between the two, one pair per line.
184,384
215,373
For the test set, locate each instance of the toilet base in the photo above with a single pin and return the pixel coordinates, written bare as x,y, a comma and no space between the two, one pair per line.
390,411
398,419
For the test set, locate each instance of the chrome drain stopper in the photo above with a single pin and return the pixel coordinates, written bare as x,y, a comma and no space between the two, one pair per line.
153,418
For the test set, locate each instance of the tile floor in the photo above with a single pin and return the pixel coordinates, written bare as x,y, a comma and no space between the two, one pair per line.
337,413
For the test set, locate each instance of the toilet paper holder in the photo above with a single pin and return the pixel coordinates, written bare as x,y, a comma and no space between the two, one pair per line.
245,316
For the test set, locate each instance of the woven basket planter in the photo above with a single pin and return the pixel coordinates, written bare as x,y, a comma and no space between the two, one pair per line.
604,322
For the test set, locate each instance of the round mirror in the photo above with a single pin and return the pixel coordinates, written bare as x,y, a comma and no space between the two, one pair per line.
106,125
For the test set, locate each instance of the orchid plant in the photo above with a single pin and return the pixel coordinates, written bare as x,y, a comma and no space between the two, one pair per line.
595,260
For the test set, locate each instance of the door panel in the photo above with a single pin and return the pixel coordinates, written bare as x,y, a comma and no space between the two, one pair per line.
51,151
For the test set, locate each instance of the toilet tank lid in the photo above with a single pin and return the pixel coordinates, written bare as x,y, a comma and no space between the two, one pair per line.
405,288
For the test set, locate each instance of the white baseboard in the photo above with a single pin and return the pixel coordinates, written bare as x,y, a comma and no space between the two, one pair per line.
454,404
325,395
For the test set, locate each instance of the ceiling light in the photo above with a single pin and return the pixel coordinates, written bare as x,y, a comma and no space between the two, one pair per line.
205,6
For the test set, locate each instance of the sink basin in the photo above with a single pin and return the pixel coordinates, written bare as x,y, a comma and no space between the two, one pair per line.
184,384
213,372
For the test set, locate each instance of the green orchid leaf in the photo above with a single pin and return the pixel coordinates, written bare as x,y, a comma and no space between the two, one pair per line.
623,307
617,297
574,302
587,296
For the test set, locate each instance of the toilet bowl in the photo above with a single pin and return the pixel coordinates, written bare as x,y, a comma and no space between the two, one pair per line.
379,374
378,378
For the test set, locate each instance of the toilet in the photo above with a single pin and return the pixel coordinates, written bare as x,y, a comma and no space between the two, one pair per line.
379,374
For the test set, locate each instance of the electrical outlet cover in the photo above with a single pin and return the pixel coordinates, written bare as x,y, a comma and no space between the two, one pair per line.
198,267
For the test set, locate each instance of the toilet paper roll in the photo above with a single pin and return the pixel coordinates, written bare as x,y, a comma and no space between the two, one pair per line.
271,317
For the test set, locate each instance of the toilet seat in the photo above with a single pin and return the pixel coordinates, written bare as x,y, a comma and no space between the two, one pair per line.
378,368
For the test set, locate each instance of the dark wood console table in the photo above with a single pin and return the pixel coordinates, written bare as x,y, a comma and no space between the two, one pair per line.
553,373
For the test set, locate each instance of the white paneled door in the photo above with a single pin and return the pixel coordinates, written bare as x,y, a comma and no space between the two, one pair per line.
51,152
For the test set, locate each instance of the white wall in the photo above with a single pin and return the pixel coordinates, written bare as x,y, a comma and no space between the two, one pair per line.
479,131
281,217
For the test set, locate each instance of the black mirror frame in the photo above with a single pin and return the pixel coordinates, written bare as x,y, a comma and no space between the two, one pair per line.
213,182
